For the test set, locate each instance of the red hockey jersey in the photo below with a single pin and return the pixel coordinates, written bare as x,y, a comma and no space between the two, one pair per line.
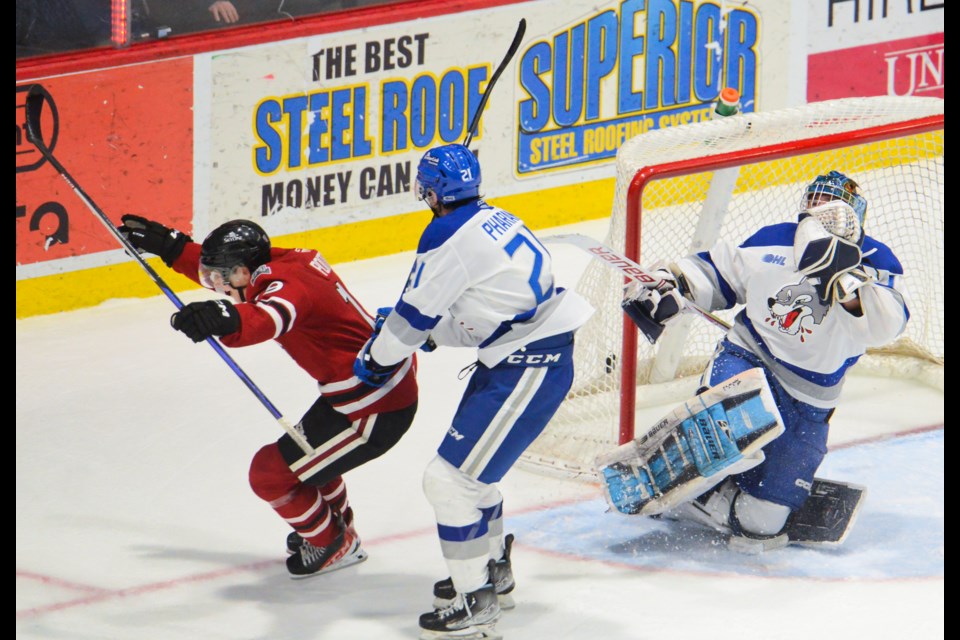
299,301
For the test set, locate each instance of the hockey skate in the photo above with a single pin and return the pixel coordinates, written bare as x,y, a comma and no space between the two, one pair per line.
825,519
343,552
295,540
471,616
710,510
713,510
501,575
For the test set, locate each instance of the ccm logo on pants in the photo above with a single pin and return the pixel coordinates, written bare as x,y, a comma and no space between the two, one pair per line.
533,358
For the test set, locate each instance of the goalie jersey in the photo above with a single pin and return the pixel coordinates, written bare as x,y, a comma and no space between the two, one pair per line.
480,279
807,344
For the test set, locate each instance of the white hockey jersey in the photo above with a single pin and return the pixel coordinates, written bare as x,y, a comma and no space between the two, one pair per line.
480,279
807,344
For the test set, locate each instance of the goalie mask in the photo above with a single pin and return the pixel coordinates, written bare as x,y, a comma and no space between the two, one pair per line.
446,175
834,186
229,254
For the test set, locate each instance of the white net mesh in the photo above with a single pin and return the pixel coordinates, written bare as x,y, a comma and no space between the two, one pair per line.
901,177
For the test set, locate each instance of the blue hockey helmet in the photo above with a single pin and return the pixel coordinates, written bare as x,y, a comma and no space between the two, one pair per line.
834,186
451,172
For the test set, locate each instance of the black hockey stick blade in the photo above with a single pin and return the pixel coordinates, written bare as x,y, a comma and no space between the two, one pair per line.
34,109
517,38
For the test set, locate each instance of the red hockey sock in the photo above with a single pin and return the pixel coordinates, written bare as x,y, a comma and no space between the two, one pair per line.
335,494
301,505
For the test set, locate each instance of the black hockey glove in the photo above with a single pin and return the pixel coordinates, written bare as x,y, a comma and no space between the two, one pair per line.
200,320
652,309
152,237
825,260
824,257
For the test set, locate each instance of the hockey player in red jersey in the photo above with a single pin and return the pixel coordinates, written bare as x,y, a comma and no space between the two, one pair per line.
294,297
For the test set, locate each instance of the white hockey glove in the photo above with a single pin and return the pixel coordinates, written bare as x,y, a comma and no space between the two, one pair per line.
652,308
848,285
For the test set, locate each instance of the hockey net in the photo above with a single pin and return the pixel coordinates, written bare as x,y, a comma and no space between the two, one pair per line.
681,188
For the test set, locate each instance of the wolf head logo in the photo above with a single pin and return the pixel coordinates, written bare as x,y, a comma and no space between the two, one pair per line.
795,307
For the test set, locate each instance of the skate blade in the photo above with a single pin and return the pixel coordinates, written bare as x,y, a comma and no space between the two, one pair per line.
506,602
755,547
356,557
474,632
693,513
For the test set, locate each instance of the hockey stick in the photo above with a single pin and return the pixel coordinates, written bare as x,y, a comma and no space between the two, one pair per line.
521,29
630,269
34,108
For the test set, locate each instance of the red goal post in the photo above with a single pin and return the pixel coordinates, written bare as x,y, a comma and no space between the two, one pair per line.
680,189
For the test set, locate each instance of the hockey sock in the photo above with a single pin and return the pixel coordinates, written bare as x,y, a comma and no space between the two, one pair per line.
301,505
335,494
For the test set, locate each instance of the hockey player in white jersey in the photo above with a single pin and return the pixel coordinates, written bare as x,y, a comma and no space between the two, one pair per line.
480,279
815,295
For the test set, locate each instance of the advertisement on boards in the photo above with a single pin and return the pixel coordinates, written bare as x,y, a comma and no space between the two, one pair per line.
597,83
318,137
875,48
126,136
327,131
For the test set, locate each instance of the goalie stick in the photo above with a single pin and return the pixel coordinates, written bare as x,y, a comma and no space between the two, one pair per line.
630,269
34,108
472,129
828,515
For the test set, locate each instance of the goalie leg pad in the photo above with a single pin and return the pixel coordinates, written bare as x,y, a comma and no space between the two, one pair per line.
719,432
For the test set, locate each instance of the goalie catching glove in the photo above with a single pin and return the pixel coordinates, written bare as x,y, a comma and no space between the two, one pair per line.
652,308
152,237
827,251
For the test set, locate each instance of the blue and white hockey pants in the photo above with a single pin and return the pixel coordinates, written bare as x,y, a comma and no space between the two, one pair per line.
503,410
786,475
